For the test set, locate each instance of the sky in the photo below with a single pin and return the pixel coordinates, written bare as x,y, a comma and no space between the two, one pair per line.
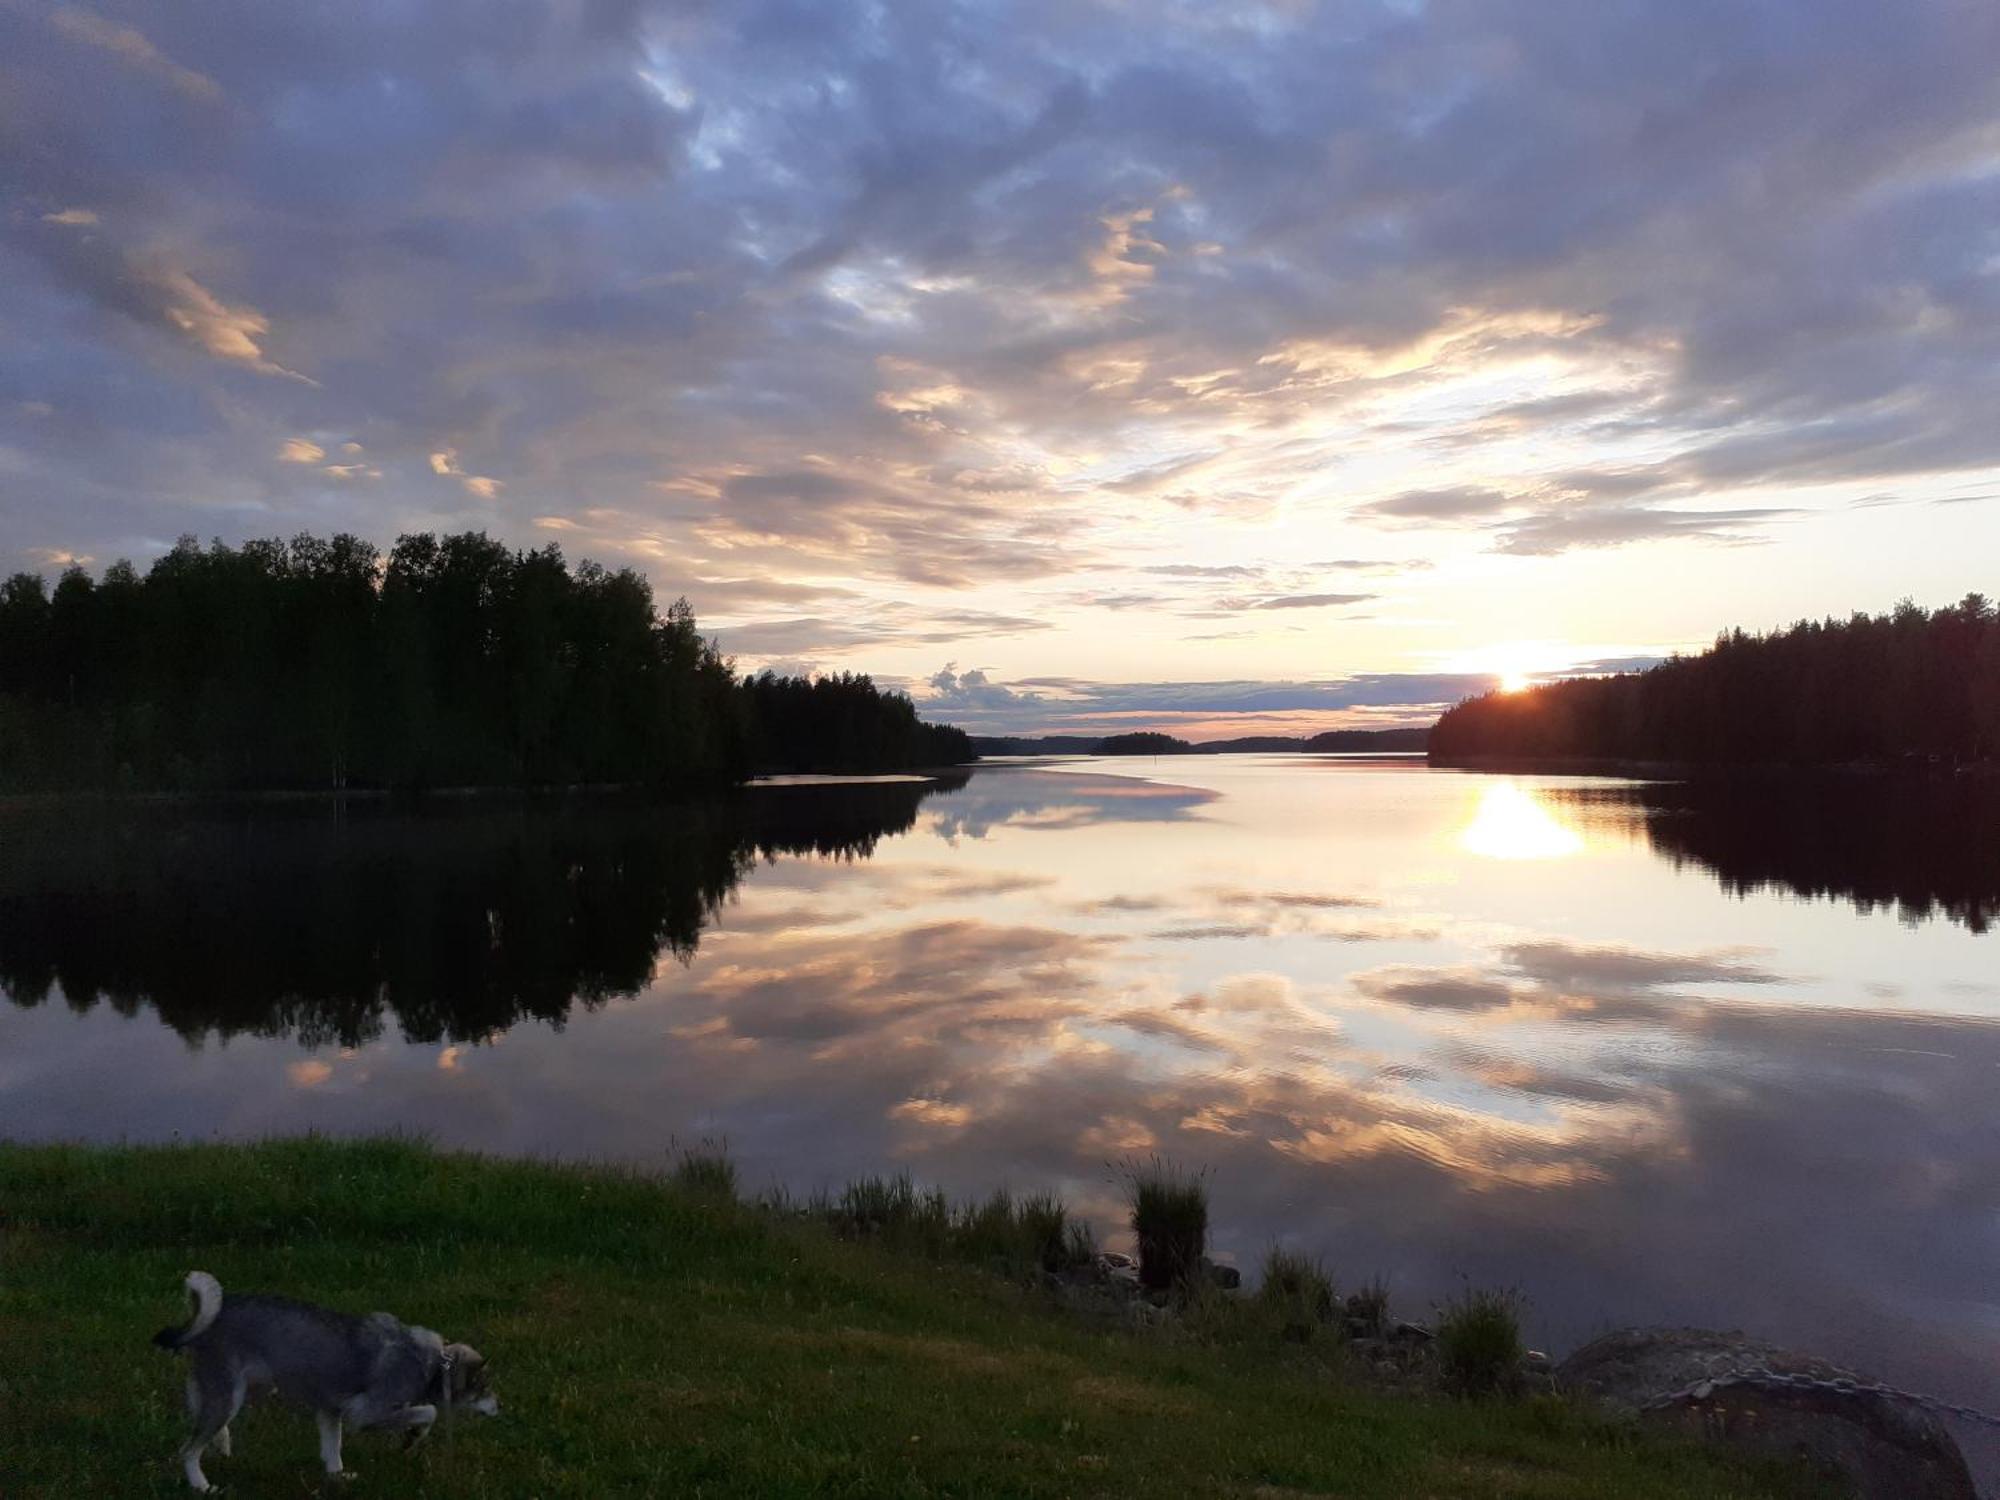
1075,365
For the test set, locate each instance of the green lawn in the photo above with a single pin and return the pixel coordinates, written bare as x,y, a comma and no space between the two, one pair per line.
646,1341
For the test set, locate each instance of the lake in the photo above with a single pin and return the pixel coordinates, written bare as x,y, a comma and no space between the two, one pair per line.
1646,1052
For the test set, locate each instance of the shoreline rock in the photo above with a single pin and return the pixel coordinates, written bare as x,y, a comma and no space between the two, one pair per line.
1678,1379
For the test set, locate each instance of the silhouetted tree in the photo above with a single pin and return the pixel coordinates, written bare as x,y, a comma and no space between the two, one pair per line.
1143,742
1907,685
455,661
843,723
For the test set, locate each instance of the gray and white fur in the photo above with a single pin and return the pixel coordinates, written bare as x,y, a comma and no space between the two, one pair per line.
348,1371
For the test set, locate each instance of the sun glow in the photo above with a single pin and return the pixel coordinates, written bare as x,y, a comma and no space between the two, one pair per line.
1513,824
1516,666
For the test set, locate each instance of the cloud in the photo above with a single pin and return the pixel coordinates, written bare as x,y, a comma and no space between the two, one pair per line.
227,332
148,287
1439,505
300,450
1436,989
1310,601
1201,710
747,293
953,689
1574,965
130,47
1618,526
812,635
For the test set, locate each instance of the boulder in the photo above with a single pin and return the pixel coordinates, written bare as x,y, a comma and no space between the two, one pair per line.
1118,1272
1877,1447
1228,1278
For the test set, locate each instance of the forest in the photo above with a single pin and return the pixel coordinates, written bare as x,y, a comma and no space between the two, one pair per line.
1912,685
453,661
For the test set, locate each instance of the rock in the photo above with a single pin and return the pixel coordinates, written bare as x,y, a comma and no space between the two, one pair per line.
1118,1273
1226,1277
1880,1448
1534,1362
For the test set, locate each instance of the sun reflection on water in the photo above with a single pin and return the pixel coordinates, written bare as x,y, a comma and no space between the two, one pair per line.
1512,824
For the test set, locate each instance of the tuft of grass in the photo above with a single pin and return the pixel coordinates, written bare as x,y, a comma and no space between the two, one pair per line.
989,1233
1479,1344
1044,1228
706,1169
1169,1207
1368,1308
1296,1296
647,1339
1080,1244
1016,1237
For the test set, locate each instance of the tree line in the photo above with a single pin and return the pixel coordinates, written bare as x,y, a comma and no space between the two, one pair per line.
1912,684
1331,741
452,661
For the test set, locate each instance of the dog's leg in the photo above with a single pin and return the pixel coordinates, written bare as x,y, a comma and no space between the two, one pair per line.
210,1420
191,1466
416,1422
239,1391
211,1409
329,1446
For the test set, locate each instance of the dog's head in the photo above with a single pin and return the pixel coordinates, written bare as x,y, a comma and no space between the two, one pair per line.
466,1385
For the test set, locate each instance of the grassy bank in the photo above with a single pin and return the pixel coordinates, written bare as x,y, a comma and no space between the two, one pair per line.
653,1339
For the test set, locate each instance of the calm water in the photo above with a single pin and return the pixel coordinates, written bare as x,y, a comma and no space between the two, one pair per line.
1649,1056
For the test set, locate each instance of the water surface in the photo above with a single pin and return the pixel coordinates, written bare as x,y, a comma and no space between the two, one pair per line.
1647,1053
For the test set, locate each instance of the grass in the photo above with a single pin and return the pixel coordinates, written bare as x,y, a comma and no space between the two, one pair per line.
705,1170
1296,1296
1479,1344
647,1338
1017,1237
1169,1220
1368,1308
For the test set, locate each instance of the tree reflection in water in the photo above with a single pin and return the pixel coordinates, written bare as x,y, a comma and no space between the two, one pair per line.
322,923
1929,846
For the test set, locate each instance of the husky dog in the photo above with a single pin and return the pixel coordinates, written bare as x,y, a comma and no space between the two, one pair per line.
361,1372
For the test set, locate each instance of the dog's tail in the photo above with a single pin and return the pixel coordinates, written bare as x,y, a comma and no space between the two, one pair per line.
206,1293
